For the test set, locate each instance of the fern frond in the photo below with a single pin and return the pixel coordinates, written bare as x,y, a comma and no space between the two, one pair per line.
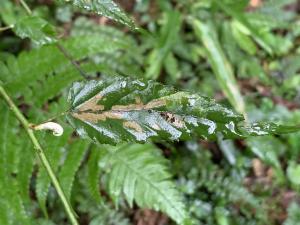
51,71
75,155
141,174
83,26
93,174
293,214
221,186
25,168
53,151
11,204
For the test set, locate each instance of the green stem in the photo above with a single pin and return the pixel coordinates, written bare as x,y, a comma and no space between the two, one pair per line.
26,7
59,46
6,28
70,58
41,155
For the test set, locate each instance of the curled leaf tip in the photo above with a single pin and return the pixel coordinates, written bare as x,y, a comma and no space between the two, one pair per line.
56,128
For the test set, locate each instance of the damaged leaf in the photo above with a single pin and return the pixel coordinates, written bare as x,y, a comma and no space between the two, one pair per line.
119,109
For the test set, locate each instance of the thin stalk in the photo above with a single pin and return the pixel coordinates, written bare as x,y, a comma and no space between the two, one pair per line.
26,7
6,28
70,58
41,154
59,46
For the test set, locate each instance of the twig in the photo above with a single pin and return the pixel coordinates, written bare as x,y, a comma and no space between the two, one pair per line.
26,7
6,28
41,155
70,58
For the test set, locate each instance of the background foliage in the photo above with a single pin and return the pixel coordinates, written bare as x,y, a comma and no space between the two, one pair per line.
244,54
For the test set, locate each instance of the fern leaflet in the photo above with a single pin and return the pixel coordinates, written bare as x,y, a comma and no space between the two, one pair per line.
141,174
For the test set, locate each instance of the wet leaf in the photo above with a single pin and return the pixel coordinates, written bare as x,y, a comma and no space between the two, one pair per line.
121,109
118,109
106,8
35,28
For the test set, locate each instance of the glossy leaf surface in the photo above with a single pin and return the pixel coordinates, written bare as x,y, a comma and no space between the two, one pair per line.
36,29
106,8
122,109
118,109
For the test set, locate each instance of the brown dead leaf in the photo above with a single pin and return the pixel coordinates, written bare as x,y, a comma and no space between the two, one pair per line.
258,168
255,3
150,217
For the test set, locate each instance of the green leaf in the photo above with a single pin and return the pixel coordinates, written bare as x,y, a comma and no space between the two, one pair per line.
26,169
293,173
93,174
243,40
106,8
228,149
10,12
52,72
221,66
140,172
71,164
239,15
293,214
12,209
118,109
43,181
37,29
268,149
165,42
171,66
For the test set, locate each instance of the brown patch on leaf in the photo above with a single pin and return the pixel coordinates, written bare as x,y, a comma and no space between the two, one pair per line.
94,117
155,104
138,100
89,111
91,104
133,125
173,119
140,106
129,107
